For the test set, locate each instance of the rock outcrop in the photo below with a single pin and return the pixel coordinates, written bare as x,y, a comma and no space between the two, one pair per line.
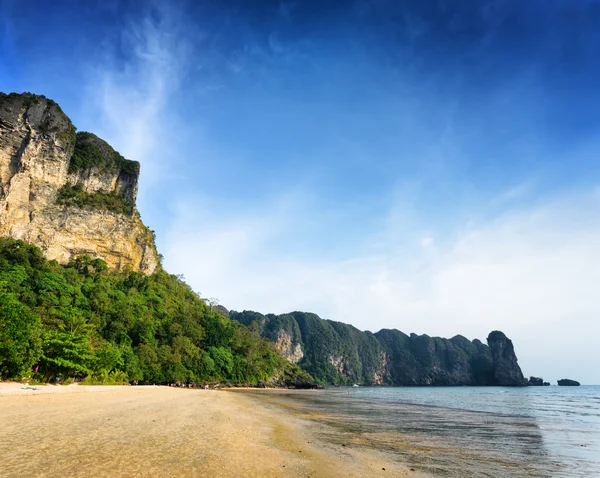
537,382
69,193
506,367
337,353
566,382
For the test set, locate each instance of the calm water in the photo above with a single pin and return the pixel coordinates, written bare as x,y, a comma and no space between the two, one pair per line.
464,431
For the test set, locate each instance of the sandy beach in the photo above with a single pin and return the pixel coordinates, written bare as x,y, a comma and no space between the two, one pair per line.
162,431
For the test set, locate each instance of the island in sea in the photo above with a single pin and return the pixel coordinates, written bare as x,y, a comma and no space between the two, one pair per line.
567,382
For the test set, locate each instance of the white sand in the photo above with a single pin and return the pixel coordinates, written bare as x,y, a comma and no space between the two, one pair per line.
161,431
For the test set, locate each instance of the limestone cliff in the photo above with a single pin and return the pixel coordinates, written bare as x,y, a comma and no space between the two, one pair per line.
338,353
70,194
506,366
286,347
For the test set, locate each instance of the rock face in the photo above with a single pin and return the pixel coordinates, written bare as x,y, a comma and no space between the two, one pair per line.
280,329
565,382
337,353
70,194
506,367
286,347
537,382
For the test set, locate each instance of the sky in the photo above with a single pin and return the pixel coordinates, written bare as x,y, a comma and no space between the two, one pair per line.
431,166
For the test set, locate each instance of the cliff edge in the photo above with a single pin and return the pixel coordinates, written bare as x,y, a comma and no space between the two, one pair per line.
69,193
506,366
338,353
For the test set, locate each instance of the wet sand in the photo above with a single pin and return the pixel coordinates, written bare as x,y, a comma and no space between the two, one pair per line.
163,431
432,440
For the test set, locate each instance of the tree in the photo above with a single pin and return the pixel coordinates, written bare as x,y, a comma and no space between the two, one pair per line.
65,354
19,337
223,361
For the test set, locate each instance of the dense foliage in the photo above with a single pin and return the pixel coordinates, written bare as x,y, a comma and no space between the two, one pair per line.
338,353
324,343
91,151
80,321
77,196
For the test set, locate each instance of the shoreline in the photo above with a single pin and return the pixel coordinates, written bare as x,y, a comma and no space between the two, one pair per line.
98,430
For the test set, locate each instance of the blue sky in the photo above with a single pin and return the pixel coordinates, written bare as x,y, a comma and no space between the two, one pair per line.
428,166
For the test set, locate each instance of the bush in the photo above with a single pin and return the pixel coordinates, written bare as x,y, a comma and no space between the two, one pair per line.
91,151
19,337
109,378
76,196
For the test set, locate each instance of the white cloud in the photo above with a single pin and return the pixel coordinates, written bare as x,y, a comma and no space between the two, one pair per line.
427,242
127,103
531,273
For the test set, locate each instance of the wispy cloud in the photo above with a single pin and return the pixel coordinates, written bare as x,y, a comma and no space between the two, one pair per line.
129,89
518,192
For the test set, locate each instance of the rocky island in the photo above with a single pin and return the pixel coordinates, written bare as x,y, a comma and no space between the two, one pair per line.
566,382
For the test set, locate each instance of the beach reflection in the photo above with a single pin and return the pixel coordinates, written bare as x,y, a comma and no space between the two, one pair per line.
437,440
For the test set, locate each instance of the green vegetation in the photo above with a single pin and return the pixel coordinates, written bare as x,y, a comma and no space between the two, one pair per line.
80,321
338,353
91,151
27,99
77,196
322,341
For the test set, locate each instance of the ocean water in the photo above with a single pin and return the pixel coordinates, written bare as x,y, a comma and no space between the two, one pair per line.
463,431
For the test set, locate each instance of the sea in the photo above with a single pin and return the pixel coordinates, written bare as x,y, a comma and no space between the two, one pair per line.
463,431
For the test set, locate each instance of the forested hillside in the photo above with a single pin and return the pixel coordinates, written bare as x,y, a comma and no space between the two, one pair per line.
82,321
337,353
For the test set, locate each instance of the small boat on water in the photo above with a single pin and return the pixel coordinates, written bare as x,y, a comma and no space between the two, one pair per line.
355,385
